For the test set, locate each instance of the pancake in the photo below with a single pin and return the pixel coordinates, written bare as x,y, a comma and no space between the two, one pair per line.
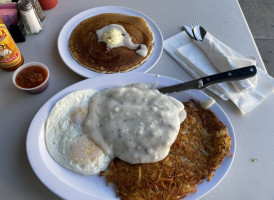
202,143
87,50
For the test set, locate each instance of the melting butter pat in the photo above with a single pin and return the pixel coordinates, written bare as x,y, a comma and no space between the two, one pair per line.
112,37
206,104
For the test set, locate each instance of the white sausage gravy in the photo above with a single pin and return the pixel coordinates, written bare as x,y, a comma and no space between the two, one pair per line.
134,123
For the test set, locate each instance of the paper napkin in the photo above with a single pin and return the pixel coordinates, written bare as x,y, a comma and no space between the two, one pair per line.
222,58
210,56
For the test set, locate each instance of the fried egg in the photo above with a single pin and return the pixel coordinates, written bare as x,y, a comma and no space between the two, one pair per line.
65,140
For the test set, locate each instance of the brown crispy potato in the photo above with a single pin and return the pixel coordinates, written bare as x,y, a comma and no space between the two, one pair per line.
201,145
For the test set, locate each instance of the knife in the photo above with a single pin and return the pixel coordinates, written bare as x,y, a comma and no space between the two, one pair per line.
199,32
201,83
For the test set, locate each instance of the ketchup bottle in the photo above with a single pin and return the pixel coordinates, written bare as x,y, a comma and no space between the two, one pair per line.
48,4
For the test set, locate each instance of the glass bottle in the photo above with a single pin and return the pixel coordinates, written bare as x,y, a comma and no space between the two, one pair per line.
10,56
36,5
29,16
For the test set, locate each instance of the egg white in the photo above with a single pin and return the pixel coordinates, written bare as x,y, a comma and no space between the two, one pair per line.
66,142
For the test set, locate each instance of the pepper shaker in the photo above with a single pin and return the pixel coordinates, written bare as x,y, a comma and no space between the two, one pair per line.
29,16
36,5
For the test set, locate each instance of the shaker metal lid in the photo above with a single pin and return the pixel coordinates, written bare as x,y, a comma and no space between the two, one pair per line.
24,5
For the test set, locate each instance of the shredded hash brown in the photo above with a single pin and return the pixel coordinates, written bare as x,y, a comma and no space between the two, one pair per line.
201,145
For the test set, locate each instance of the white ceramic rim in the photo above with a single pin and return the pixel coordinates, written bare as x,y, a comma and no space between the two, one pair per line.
26,66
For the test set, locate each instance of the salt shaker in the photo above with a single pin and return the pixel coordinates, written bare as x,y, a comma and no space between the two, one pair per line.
29,16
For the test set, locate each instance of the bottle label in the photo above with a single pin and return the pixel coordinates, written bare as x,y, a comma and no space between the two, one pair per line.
10,55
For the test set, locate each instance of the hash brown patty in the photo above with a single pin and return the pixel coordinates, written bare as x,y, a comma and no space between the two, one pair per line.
202,143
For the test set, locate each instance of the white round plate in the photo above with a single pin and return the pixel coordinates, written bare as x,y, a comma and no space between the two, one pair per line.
70,185
64,35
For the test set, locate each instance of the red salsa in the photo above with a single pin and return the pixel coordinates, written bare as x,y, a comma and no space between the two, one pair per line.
31,76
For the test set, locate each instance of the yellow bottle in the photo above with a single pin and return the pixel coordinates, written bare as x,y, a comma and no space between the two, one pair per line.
10,56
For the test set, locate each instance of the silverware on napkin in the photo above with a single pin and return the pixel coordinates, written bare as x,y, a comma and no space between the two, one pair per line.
189,32
198,31
201,83
195,31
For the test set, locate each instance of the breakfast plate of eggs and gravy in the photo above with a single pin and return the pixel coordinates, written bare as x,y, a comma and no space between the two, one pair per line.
110,39
118,137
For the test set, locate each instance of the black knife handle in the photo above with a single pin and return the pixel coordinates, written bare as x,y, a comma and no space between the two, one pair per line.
232,75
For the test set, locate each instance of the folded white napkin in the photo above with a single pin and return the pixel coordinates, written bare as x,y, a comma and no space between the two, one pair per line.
210,56
222,58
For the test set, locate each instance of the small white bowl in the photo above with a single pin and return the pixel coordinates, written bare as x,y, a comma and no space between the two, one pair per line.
35,90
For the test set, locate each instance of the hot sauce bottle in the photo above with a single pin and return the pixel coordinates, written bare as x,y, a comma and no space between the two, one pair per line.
10,56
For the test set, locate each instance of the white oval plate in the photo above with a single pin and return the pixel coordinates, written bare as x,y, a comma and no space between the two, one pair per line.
64,35
70,185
